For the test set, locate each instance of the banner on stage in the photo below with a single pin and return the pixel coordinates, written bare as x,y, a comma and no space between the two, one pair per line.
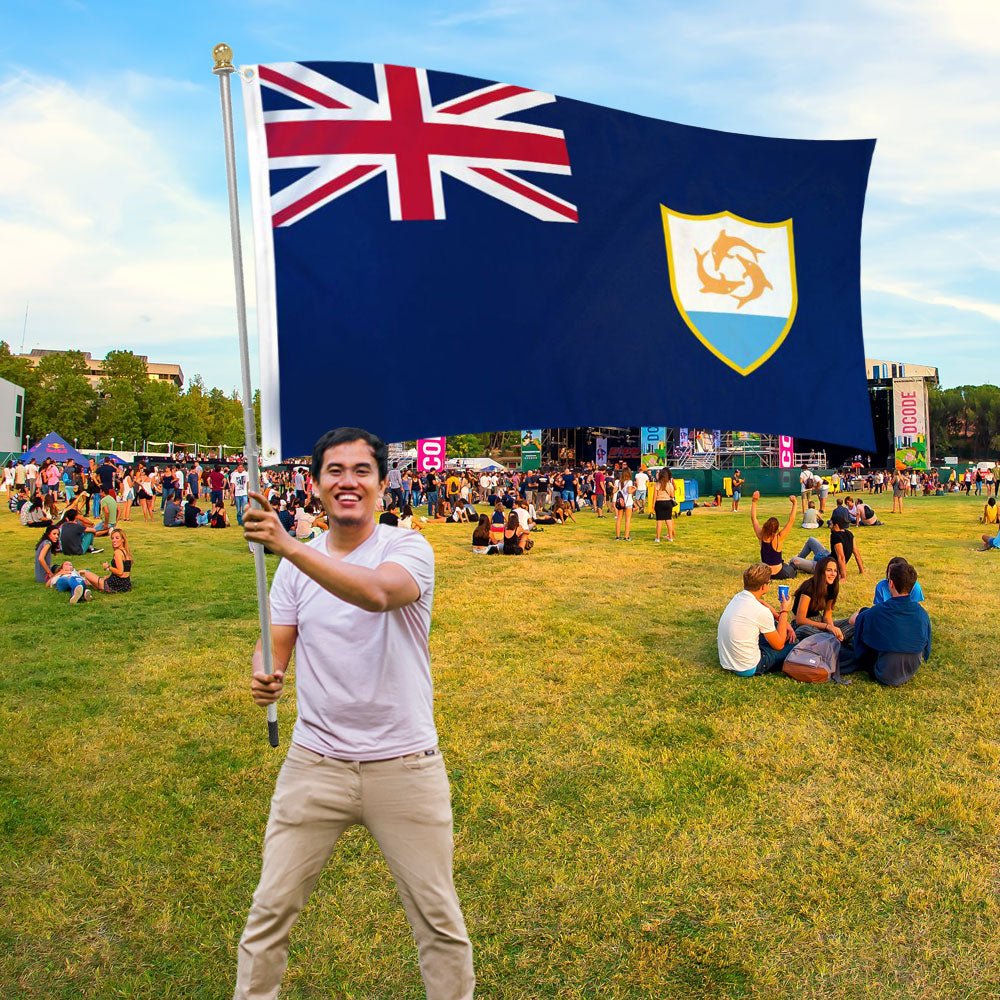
910,419
431,453
654,445
531,450
786,452
601,451
393,203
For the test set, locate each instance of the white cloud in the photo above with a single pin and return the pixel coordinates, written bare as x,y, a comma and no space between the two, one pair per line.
963,303
105,236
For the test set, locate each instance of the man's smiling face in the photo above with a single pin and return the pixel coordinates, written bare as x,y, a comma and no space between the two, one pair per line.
348,483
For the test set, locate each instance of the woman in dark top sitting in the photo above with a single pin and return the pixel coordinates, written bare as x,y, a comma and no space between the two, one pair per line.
119,578
191,512
772,539
515,538
815,599
481,536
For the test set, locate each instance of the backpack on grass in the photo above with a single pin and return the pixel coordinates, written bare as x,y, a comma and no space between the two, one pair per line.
814,660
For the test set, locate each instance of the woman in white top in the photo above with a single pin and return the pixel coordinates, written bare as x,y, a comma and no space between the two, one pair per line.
624,502
128,496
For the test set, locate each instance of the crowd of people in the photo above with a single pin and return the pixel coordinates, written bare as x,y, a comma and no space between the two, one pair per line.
88,503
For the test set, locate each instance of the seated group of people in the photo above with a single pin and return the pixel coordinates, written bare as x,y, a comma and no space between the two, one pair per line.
889,640
192,516
71,538
991,515
508,537
771,535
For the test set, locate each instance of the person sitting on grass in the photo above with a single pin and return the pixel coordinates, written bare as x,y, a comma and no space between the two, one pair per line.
390,515
862,514
218,517
192,512
752,638
69,580
811,518
991,512
33,515
119,578
47,546
815,599
882,592
772,539
892,639
76,537
991,542
843,545
481,543
497,523
562,511
515,538
173,516
406,519
107,511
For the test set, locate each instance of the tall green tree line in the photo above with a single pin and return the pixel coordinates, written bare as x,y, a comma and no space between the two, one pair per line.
965,421
126,407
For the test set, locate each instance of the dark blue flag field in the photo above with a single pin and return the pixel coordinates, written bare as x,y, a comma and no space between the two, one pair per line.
439,255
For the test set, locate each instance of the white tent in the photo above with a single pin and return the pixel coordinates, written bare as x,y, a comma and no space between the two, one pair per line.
479,464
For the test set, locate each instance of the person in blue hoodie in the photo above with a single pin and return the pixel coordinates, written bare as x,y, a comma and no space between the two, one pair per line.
892,639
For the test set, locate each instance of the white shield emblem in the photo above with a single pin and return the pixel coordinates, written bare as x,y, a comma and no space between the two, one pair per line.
733,281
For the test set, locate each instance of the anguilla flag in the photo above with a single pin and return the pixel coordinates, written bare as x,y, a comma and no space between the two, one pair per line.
440,255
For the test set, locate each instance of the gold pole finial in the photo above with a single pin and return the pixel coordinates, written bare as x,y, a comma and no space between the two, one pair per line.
223,56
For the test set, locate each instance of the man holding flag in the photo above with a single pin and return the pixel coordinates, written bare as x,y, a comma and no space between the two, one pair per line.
355,605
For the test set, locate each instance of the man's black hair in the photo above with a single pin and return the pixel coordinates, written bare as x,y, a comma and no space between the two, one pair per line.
347,435
903,576
70,515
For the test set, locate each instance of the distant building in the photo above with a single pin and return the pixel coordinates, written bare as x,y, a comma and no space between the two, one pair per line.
900,398
95,368
11,417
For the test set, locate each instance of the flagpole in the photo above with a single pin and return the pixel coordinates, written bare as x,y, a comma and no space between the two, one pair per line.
224,69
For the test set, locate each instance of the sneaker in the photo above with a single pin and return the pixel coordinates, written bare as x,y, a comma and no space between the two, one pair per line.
628,538
78,591
656,540
94,552
88,595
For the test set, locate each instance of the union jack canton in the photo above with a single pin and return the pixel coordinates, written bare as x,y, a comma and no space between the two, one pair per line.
344,139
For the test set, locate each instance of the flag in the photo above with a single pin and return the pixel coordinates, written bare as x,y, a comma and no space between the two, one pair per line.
440,255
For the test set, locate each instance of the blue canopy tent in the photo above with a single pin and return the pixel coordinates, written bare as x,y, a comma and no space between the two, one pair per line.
53,446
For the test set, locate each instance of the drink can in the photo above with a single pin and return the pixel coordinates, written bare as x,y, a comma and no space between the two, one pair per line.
783,590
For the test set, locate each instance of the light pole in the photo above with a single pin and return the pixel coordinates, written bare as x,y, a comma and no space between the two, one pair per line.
112,444
75,442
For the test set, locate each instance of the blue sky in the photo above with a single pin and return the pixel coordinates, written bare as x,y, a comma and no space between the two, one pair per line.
112,187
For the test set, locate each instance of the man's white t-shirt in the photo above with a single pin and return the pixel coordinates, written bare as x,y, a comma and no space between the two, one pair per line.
523,517
240,482
641,481
805,478
363,678
742,624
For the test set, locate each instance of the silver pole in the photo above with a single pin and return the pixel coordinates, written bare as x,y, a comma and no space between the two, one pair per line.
223,69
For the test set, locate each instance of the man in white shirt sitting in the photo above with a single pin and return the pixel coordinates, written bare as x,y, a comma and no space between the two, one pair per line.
754,639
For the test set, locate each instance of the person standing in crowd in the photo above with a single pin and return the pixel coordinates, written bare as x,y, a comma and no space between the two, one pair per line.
216,485
395,481
143,487
663,503
599,491
31,476
738,482
641,488
240,481
431,489
624,501
127,494
898,486
366,753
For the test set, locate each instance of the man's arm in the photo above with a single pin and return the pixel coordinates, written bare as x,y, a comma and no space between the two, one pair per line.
265,689
385,588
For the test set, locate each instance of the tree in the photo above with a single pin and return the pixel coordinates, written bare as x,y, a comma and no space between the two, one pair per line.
158,404
65,401
124,366
119,415
467,445
20,372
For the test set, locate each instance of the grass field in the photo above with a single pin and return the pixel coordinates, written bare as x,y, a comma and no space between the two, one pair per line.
630,822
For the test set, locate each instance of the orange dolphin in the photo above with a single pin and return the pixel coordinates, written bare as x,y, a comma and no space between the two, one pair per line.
758,281
724,243
709,283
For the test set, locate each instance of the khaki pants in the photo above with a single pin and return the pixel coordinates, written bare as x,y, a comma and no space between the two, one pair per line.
406,805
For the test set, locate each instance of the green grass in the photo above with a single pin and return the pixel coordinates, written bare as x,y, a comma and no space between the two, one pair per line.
630,822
